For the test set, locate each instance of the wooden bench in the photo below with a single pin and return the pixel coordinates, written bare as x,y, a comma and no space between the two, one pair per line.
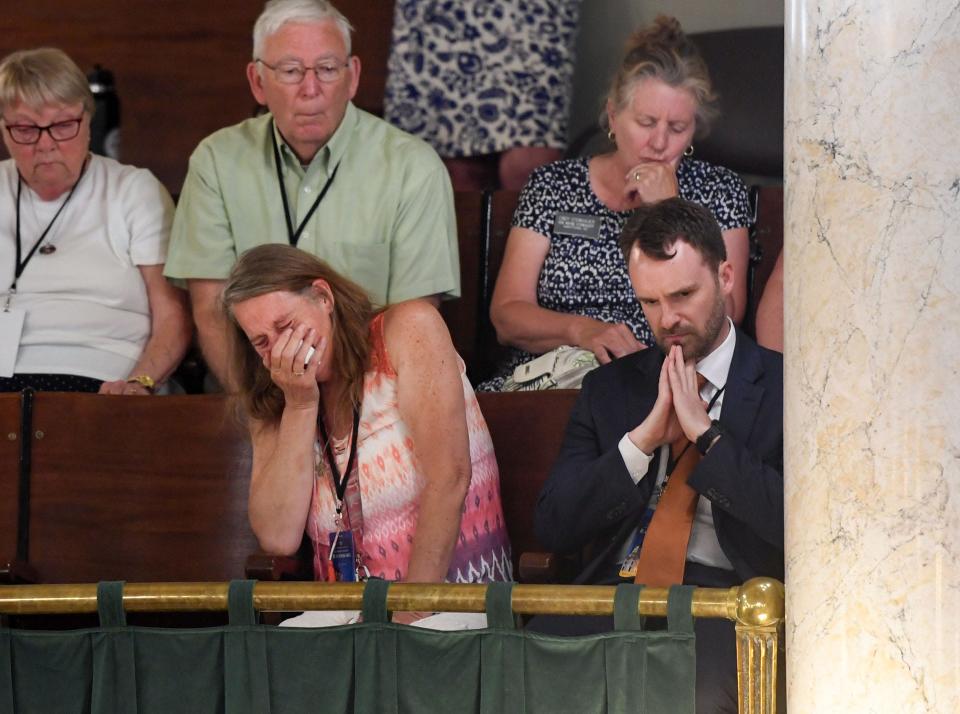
139,489
155,489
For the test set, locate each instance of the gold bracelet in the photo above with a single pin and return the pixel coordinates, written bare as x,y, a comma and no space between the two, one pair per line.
145,381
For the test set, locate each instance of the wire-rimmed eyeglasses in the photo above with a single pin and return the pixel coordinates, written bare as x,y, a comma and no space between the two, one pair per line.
326,71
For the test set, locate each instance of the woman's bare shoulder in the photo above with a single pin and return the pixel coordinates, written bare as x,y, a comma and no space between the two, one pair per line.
414,325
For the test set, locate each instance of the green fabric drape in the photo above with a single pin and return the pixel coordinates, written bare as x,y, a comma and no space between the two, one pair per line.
374,667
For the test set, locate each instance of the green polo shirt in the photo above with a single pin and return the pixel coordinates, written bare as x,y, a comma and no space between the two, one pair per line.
387,221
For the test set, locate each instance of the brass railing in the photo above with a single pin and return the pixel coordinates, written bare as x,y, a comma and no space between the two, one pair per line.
756,607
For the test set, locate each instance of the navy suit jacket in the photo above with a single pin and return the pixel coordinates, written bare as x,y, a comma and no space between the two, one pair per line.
590,499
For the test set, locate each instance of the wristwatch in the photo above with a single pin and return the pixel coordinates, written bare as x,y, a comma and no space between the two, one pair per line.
706,439
146,381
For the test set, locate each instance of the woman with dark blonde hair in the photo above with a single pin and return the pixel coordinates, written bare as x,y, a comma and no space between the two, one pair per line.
366,432
563,280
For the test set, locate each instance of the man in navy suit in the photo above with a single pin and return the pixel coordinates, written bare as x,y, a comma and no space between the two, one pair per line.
615,459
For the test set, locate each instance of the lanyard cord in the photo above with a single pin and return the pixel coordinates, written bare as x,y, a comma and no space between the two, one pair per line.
294,236
340,480
22,264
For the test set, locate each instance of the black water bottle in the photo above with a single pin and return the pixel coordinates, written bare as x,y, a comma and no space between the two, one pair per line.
105,125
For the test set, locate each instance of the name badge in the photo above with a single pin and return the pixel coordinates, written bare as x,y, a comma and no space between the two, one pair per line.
577,224
628,569
11,327
343,556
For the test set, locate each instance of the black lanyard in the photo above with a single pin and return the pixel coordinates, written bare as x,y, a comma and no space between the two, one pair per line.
22,264
340,480
294,236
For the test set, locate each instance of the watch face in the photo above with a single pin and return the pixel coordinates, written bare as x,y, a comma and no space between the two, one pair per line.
143,380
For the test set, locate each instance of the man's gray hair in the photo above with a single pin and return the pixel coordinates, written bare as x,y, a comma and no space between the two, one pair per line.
277,13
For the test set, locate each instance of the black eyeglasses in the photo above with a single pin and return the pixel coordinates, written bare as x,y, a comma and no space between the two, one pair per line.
327,71
58,131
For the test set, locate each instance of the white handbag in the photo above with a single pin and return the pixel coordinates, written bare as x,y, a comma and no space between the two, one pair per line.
560,368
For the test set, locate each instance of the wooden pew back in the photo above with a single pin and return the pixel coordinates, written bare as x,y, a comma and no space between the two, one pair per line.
527,429
9,474
499,217
503,204
138,489
145,489
463,314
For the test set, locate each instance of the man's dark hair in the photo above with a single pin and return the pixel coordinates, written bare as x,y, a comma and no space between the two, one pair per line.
654,228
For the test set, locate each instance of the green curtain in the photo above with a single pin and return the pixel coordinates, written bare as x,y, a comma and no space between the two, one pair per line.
372,667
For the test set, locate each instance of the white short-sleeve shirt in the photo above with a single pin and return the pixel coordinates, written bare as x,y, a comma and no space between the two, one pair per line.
87,311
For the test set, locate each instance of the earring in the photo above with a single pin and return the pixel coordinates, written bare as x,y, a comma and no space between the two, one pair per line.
688,152
611,136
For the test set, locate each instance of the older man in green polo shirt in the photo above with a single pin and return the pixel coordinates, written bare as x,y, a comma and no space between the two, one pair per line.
316,172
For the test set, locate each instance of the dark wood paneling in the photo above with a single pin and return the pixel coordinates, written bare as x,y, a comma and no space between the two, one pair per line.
9,474
179,66
373,23
138,489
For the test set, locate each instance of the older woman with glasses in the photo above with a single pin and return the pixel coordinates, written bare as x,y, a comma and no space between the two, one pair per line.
563,281
83,302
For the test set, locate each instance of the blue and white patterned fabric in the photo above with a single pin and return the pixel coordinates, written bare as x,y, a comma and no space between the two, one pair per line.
588,276
476,77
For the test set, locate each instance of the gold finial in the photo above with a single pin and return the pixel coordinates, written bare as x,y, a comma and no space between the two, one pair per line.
760,602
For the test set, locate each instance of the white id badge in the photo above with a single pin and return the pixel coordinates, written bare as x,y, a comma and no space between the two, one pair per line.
536,368
11,327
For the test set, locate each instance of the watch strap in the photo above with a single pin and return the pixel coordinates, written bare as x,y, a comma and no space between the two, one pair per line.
706,439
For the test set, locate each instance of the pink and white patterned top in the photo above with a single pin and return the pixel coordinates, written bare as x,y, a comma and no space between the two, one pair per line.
382,492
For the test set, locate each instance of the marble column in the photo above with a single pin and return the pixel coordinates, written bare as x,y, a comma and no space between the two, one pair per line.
872,355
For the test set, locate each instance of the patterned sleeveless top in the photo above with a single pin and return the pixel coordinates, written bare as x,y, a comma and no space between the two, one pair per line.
381,496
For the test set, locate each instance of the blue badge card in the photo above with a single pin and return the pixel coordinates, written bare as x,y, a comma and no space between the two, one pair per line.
628,569
343,555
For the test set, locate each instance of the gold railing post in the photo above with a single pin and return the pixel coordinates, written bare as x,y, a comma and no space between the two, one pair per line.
759,618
